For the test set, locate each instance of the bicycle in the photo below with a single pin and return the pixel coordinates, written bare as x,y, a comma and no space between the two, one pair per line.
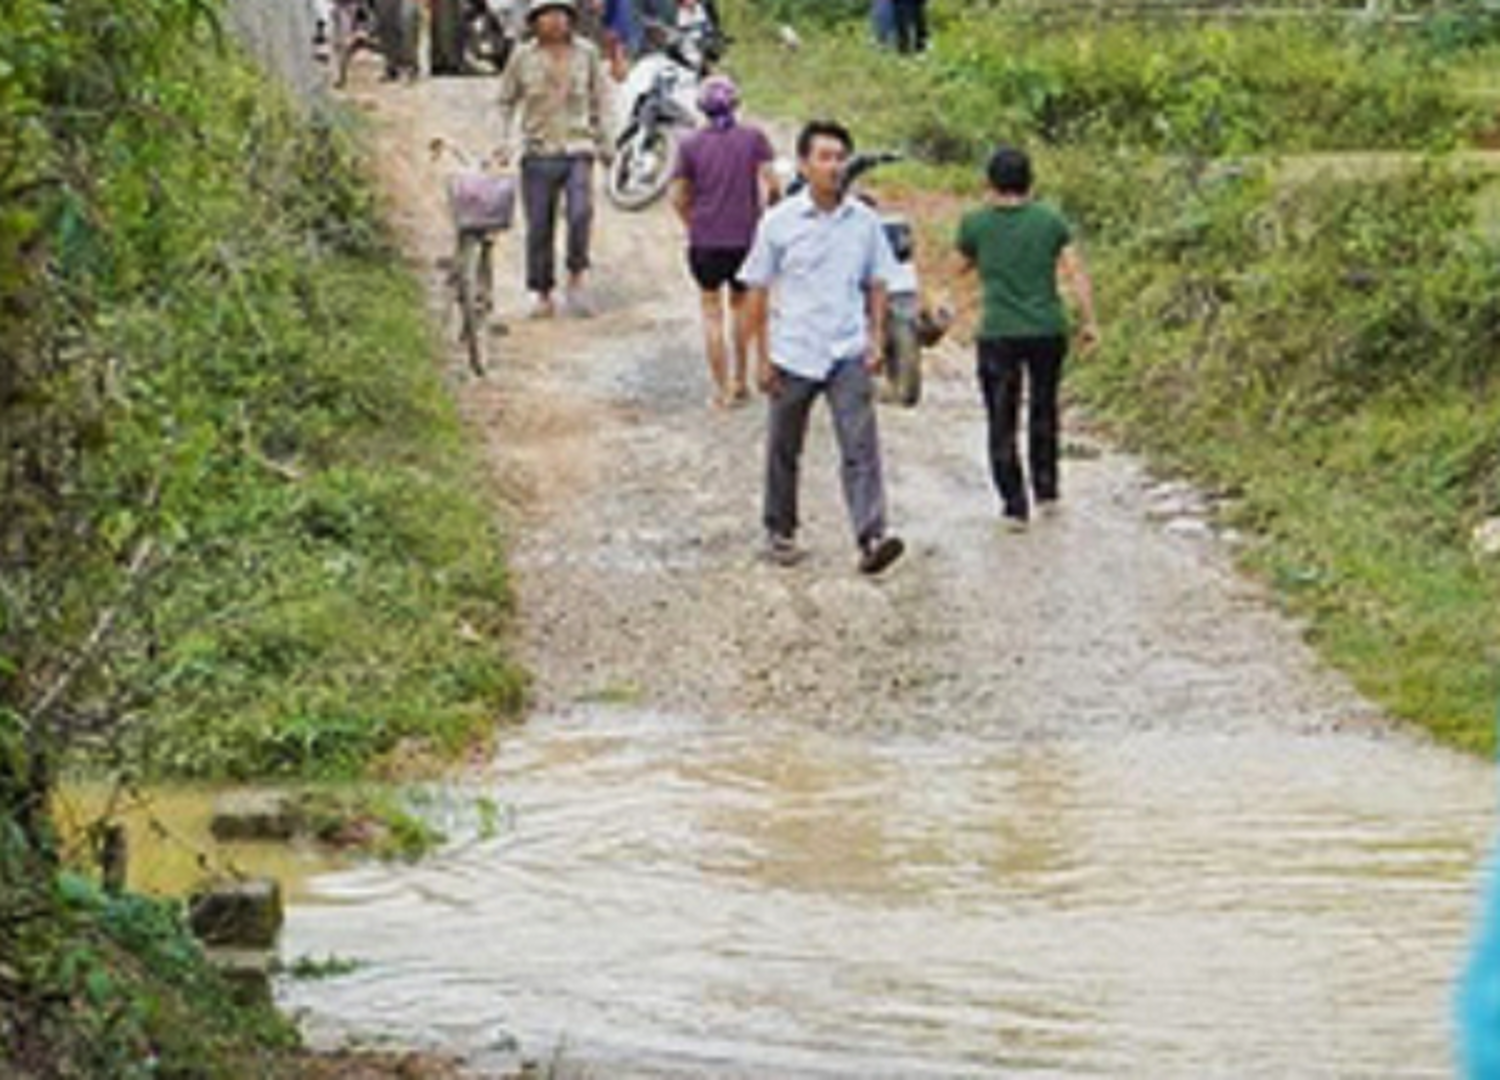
481,203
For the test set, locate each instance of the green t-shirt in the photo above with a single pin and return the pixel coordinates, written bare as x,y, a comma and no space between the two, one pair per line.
1016,250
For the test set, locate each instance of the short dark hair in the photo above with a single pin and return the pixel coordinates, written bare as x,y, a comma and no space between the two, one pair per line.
1010,171
823,129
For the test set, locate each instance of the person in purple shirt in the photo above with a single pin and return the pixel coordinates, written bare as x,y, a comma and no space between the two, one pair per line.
724,182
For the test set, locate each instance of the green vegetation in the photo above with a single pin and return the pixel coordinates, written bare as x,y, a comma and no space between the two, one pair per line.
96,985
240,531
1177,88
231,450
1320,346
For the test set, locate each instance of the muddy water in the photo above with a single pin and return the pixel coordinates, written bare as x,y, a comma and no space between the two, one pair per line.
667,898
172,849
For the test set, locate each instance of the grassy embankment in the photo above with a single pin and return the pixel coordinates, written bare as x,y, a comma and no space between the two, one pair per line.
242,534
1322,349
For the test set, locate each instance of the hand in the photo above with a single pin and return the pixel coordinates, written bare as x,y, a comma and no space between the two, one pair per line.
1088,337
875,359
500,159
767,378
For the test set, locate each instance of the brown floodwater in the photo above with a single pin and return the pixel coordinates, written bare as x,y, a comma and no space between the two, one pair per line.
172,850
665,897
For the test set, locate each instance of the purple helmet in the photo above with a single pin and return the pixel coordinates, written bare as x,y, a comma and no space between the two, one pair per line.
718,97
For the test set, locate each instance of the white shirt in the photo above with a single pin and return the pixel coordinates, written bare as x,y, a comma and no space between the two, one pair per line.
819,266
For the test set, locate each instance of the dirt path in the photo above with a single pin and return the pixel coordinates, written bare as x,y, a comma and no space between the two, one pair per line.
637,526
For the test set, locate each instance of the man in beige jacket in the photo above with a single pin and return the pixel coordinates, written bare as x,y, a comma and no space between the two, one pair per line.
555,87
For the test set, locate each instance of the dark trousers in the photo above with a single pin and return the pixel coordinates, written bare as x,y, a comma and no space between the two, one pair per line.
851,399
911,25
1007,366
397,25
545,181
446,44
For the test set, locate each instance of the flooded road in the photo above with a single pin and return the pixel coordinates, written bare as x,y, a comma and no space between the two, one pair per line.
1077,802
672,899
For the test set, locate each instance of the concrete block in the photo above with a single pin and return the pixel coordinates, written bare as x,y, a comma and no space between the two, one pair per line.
253,815
238,914
248,972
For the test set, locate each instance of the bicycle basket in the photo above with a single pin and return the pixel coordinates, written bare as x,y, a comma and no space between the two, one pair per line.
480,201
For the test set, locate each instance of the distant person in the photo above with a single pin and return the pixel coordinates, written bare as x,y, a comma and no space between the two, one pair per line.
883,22
724,182
398,27
818,269
555,83
910,25
445,37
1022,249
622,36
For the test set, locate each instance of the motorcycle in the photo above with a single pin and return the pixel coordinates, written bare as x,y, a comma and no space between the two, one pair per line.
910,326
490,31
659,104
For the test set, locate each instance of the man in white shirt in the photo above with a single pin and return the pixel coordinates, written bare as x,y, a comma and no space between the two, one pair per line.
818,270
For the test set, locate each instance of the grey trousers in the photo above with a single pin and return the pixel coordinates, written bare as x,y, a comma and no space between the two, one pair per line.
851,400
544,181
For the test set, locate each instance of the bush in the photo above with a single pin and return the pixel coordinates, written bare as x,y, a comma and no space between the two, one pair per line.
226,442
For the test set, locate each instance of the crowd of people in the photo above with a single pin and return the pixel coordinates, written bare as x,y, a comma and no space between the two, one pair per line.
796,284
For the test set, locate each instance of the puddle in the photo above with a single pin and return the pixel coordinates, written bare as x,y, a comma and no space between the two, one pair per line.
670,898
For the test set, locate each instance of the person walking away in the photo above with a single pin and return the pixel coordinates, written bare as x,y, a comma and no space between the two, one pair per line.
817,272
883,22
398,26
911,25
1021,249
622,36
724,182
446,38
555,84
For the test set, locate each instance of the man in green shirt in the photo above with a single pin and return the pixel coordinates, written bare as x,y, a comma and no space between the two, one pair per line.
1021,249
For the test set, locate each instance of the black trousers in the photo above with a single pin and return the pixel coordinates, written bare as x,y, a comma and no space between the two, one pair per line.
1007,368
911,25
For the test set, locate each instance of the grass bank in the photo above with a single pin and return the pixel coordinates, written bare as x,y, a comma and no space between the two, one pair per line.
1321,350
241,532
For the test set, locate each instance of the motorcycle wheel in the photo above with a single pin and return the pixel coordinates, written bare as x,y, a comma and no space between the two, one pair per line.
642,168
903,362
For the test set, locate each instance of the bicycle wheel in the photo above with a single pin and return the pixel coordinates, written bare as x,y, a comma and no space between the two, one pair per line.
472,298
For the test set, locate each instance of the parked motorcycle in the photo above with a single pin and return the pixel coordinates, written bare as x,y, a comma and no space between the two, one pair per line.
491,30
910,326
659,105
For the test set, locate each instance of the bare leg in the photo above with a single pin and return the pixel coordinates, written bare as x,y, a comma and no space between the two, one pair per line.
740,385
714,343
757,341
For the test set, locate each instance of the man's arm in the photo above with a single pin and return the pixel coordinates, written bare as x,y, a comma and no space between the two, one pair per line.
1075,276
757,325
876,306
510,102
